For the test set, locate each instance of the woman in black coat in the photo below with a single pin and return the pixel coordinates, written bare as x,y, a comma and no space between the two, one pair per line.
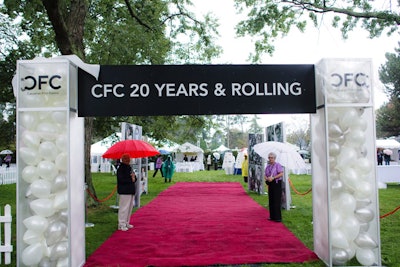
126,188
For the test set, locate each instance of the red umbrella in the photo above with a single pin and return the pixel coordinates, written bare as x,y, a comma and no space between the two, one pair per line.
135,149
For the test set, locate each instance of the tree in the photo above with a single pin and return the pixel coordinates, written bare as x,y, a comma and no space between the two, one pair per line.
300,138
113,32
388,116
267,20
254,126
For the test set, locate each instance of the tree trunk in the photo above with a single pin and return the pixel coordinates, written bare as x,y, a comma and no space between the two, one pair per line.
88,173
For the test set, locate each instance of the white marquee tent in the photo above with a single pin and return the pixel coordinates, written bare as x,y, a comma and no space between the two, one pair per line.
387,143
97,163
222,149
189,150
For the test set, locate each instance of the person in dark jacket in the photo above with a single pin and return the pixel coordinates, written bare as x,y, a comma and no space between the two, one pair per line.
126,180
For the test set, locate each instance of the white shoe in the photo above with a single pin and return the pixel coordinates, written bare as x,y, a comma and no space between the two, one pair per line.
129,226
123,228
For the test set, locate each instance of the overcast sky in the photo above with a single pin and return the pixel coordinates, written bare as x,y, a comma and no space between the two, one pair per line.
299,48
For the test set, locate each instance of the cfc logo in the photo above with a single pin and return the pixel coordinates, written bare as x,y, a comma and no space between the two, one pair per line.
350,79
41,81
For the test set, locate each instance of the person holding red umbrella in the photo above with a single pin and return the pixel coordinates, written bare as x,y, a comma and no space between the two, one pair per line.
126,179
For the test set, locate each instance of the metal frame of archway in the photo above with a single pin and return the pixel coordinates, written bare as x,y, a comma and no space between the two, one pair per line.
50,195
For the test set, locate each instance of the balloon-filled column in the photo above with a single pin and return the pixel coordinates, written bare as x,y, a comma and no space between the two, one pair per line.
346,217
45,122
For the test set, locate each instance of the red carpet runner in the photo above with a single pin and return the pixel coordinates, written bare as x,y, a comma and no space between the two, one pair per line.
198,224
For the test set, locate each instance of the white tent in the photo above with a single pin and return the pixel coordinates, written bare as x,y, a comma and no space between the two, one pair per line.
387,143
189,150
222,149
97,163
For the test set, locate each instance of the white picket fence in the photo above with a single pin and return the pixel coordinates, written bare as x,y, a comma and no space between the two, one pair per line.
8,175
5,246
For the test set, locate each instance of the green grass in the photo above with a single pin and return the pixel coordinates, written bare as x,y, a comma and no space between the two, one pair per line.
298,220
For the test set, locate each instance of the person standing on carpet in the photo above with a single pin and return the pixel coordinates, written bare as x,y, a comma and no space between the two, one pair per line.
273,178
126,179
245,169
159,163
168,169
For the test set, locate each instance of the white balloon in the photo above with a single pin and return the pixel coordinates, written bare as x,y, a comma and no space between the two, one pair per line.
360,124
334,131
61,200
347,203
55,232
48,150
59,183
365,256
45,262
350,227
346,156
30,139
350,178
363,166
31,237
28,193
337,187
339,239
334,149
47,131
364,215
32,254
336,219
62,161
362,95
339,256
42,207
363,202
64,262
355,138
59,117
64,216
36,223
363,190
333,114
332,163
41,188
29,155
29,174
60,250
62,142
28,120
364,240
47,170
351,250
348,118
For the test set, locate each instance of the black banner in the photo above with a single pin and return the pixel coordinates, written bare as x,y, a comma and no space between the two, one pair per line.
197,90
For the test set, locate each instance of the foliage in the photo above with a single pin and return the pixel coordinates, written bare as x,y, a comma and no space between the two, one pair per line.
300,137
270,19
254,127
116,32
387,116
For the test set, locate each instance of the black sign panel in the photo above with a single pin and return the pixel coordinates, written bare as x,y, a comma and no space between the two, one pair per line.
197,90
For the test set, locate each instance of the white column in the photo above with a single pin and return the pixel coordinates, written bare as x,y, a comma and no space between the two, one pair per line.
345,196
50,165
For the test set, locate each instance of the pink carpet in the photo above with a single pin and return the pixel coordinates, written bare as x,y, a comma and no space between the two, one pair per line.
198,224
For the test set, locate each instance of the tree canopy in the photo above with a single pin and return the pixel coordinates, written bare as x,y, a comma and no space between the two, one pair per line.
388,116
267,20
